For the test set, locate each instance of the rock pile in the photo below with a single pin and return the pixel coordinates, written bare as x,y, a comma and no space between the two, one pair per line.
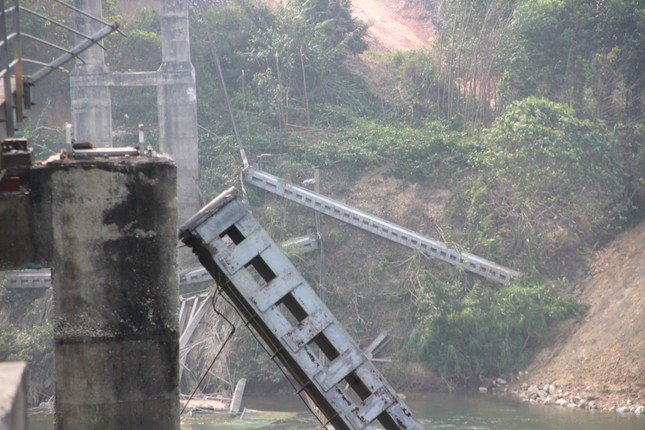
551,394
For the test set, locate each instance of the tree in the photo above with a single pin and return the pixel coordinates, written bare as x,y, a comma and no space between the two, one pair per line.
549,182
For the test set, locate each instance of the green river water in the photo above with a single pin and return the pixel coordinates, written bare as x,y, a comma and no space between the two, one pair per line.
437,411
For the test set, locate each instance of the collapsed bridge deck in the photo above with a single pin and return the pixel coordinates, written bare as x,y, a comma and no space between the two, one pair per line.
296,327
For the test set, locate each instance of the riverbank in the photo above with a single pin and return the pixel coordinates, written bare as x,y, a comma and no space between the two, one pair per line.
598,362
553,395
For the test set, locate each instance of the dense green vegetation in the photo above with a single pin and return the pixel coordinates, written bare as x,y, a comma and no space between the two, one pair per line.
531,111
547,183
465,333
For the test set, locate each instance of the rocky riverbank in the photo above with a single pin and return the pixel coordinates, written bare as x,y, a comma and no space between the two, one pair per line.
597,362
552,394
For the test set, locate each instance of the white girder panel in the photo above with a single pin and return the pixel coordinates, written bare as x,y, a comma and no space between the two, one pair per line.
292,321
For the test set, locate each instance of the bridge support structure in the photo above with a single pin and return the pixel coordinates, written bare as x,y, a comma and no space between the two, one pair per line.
176,97
105,221
113,232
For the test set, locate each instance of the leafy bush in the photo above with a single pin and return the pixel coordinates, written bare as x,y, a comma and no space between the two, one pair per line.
31,345
414,152
466,332
548,182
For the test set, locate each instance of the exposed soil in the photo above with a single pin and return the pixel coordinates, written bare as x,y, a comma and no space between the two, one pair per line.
395,24
602,357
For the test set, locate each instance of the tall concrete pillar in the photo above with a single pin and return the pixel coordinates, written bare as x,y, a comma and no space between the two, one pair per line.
89,91
177,104
114,224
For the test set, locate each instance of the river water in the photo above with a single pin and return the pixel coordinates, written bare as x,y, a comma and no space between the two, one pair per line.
437,411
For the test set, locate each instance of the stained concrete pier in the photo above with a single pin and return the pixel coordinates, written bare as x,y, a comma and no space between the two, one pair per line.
113,230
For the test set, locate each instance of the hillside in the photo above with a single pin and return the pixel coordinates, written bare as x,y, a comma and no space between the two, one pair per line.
395,25
601,357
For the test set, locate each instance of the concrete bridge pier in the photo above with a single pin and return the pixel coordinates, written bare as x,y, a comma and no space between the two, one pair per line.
90,94
113,233
177,104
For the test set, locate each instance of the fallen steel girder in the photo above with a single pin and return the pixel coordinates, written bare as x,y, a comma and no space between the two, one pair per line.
293,323
379,226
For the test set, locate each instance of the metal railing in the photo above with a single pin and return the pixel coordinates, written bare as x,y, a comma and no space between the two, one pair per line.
15,84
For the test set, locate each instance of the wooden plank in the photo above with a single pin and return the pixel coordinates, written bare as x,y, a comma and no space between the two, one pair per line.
377,345
375,404
213,227
192,323
402,415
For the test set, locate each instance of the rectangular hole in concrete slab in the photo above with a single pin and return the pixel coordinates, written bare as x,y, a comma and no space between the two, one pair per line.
356,390
293,311
232,234
293,308
287,314
260,271
325,346
386,421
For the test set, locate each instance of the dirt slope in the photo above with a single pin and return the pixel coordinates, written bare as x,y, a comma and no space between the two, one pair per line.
603,356
395,24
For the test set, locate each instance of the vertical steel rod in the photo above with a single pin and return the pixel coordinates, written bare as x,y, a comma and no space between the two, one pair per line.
20,99
6,79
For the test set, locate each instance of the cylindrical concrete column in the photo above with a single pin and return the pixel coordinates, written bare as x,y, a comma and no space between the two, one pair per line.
177,104
90,95
91,105
89,26
114,224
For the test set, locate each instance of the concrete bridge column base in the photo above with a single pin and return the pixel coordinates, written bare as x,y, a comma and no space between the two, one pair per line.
116,347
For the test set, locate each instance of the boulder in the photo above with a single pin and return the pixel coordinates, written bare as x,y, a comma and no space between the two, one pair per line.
561,402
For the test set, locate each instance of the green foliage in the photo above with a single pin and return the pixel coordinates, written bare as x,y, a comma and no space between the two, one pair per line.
467,332
411,86
338,25
29,345
547,183
558,49
413,152
586,53
141,50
